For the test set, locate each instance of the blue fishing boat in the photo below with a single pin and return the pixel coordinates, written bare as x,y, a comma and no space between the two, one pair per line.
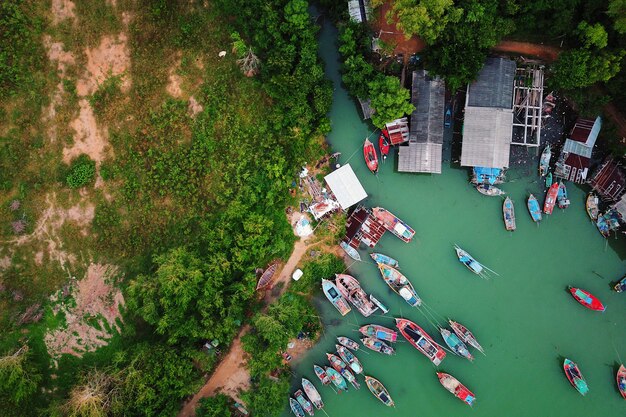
353,253
296,408
349,358
549,180
457,346
336,379
534,209
544,161
379,258
561,198
508,211
603,226
447,120
334,296
304,402
400,285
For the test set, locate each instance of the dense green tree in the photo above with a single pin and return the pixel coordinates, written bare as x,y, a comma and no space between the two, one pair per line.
424,18
18,377
268,397
592,36
216,406
580,68
617,11
390,100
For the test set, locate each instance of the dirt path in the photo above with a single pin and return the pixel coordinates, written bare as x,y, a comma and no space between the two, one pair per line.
545,52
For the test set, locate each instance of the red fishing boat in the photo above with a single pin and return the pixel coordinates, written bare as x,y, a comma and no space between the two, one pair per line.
371,158
551,197
383,145
587,299
621,380
459,390
421,340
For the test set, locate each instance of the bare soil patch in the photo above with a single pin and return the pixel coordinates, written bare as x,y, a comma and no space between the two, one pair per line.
194,107
110,58
62,10
88,138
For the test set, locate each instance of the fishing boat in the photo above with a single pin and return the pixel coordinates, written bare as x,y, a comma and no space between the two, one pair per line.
591,204
267,276
302,400
534,209
321,374
349,343
508,210
465,335
377,345
421,340
383,145
394,224
400,284
334,296
549,180
371,158
348,376
551,197
459,390
296,408
544,161
340,366
336,378
447,118
621,285
379,258
489,190
349,358
379,304
457,346
312,393
353,253
603,226
379,332
379,391
621,380
575,377
336,362
471,263
351,290
561,198
587,299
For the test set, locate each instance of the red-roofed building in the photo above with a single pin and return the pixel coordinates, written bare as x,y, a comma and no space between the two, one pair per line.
609,181
362,226
575,159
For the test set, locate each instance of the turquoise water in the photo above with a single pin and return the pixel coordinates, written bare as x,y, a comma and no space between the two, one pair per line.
525,319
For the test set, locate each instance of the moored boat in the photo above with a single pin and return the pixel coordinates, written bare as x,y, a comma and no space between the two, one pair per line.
575,377
349,343
379,391
379,332
351,290
296,408
465,335
349,358
549,180
379,258
371,158
377,345
489,190
321,374
467,260
591,205
379,304
621,285
603,226
544,160
336,378
302,400
454,343
621,380
459,390
587,299
551,197
400,284
312,393
534,209
336,362
508,211
561,198
353,253
334,296
383,145
394,224
267,276
421,340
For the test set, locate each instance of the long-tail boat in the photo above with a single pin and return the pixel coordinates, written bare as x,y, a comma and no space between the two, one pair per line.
621,285
349,343
457,346
508,211
267,276
377,345
349,358
296,408
353,253
587,299
334,296
469,261
379,332
340,367
384,146
544,161
489,190
379,304
591,205
336,362
621,380
351,290
561,197
421,340
336,379
534,209
312,393
603,226
394,224
302,400
371,158
379,258
400,284
465,335
549,179
459,390
551,197
379,391
575,377
321,374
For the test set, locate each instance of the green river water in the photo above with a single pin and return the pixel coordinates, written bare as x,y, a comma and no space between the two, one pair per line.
525,319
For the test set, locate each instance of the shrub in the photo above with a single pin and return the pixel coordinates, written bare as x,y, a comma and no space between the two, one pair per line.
82,172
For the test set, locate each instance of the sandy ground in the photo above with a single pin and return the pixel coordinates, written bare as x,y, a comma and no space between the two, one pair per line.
62,10
389,33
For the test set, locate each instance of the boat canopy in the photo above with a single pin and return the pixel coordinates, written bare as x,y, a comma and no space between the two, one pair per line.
405,293
400,229
487,175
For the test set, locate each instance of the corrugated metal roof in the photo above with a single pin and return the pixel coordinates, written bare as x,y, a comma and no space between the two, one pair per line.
620,206
345,186
578,148
494,85
420,157
428,97
486,137
359,10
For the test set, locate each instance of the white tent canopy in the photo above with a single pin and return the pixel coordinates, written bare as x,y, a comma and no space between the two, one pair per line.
345,186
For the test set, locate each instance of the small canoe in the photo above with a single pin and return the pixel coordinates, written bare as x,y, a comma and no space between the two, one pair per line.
353,253
551,197
544,161
394,224
489,190
379,304
351,290
549,180
561,198
587,299
336,379
400,285
321,374
465,335
267,276
334,296
384,146
312,393
379,391
603,226
379,332
459,390
454,343
379,258
349,343
534,209
302,400
349,358
377,345
467,260
591,204
621,285
371,158
621,380
296,408
421,340
508,211
575,377
336,362
447,119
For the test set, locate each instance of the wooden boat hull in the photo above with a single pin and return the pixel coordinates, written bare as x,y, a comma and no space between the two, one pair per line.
421,340
591,205
351,290
587,299
508,212
334,296
469,262
575,377
383,145
379,258
312,393
379,304
371,158
393,223
306,404
549,180
534,209
603,226
455,344
296,408
400,285
455,387
349,343
377,345
465,335
544,161
337,364
551,197
489,190
379,332
266,277
321,374
353,253
621,380
562,200
336,378
352,361
379,391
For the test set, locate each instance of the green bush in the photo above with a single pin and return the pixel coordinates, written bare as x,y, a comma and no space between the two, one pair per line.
82,172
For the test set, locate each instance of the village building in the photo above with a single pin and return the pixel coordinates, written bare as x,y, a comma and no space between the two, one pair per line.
609,181
575,159
424,150
363,227
345,187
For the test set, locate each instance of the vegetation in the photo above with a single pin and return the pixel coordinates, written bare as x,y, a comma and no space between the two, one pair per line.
19,378
82,172
390,99
217,406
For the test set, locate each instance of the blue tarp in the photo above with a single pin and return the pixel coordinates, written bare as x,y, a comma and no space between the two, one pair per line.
487,175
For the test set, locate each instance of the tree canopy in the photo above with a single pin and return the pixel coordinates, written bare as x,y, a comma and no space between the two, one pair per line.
390,100
19,378
424,18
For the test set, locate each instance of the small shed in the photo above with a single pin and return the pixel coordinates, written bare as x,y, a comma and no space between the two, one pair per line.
345,186
575,159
